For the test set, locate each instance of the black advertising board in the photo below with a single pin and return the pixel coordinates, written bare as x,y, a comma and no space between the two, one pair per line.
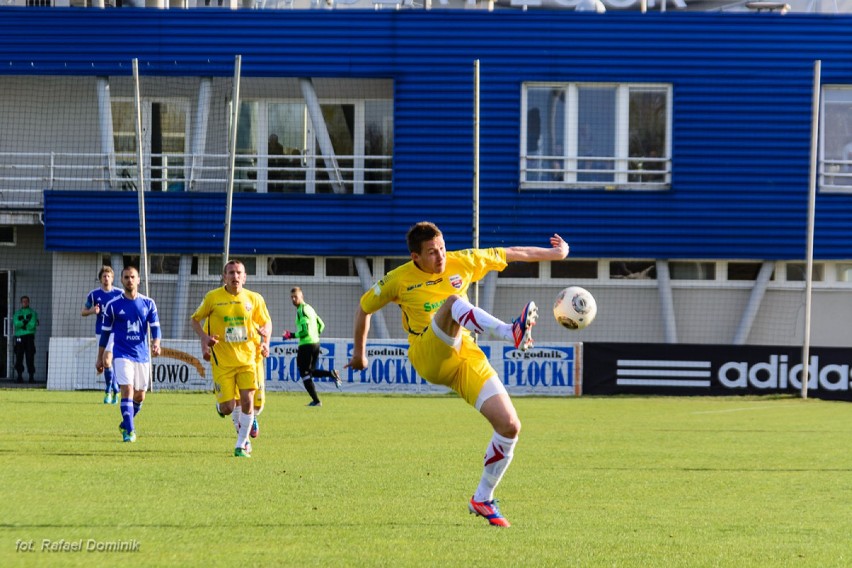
672,369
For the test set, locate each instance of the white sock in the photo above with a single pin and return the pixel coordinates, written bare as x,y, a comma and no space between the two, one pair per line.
235,416
245,426
478,320
498,456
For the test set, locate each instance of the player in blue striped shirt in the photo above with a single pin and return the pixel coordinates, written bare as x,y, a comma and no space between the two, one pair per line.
96,300
128,318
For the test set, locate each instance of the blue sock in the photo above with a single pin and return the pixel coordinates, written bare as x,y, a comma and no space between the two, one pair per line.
109,377
137,406
126,408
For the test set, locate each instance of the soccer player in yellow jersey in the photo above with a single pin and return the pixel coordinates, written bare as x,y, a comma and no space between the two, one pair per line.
236,324
431,290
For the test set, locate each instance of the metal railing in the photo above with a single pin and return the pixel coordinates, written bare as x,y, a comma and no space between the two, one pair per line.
24,173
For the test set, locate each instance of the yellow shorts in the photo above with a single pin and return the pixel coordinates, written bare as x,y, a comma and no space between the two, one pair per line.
229,381
465,371
260,393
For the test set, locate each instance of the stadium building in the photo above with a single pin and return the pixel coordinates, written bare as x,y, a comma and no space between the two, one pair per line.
672,149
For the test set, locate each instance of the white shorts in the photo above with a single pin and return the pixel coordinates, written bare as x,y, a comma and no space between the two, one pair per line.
132,373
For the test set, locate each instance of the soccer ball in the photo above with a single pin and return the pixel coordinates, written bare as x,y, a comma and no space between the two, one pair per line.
575,308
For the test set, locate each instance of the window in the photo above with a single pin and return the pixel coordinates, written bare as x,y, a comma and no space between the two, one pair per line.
520,270
613,136
796,271
574,269
344,266
835,167
290,266
744,270
633,270
7,235
683,270
345,146
165,125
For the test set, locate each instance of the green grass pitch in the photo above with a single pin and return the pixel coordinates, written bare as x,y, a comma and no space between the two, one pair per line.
384,481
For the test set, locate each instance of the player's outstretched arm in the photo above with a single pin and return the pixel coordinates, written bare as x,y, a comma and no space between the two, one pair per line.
557,251
358,362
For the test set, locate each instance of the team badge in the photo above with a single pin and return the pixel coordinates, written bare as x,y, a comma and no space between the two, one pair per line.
456,281
248,306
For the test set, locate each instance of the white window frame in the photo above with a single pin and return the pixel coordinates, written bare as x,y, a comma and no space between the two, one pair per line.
145,106
310,159
570,128
835,172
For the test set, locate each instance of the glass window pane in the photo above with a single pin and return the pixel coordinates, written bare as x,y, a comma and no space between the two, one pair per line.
520,270
290,266
633,270
681,270
545,133
844,272
7,235
287,145
596,133
165,264
574,269
378,146
744,270
344,266
795,272
245,167
647,142
340,122
837,136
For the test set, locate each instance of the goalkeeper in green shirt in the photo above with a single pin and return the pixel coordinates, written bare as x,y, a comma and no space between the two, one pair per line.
309,327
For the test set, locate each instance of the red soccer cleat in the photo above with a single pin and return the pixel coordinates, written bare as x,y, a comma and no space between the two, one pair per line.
490,511
522,327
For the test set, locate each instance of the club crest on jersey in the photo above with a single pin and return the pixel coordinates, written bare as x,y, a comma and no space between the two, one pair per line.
456,281
248,306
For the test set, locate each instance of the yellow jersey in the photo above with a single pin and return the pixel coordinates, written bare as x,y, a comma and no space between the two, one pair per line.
420,294
235,319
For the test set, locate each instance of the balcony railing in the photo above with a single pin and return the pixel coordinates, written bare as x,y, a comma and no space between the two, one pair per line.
23,175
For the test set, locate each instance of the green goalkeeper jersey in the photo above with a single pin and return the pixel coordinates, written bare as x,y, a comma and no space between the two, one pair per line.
309,325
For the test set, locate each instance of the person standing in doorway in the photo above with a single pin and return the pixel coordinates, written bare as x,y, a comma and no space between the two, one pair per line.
26,322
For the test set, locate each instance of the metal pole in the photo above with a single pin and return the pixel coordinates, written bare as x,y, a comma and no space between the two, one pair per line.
476,168
140,192
806,344
232,157
140,180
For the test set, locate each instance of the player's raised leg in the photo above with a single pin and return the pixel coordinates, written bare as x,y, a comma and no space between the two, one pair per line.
479,321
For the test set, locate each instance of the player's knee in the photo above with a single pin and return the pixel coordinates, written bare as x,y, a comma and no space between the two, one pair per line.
509,428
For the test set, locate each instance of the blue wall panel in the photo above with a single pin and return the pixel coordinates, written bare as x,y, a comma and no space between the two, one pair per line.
741,124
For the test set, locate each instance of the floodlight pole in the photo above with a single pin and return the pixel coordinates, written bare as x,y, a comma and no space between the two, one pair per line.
806,343
476,168
232,157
